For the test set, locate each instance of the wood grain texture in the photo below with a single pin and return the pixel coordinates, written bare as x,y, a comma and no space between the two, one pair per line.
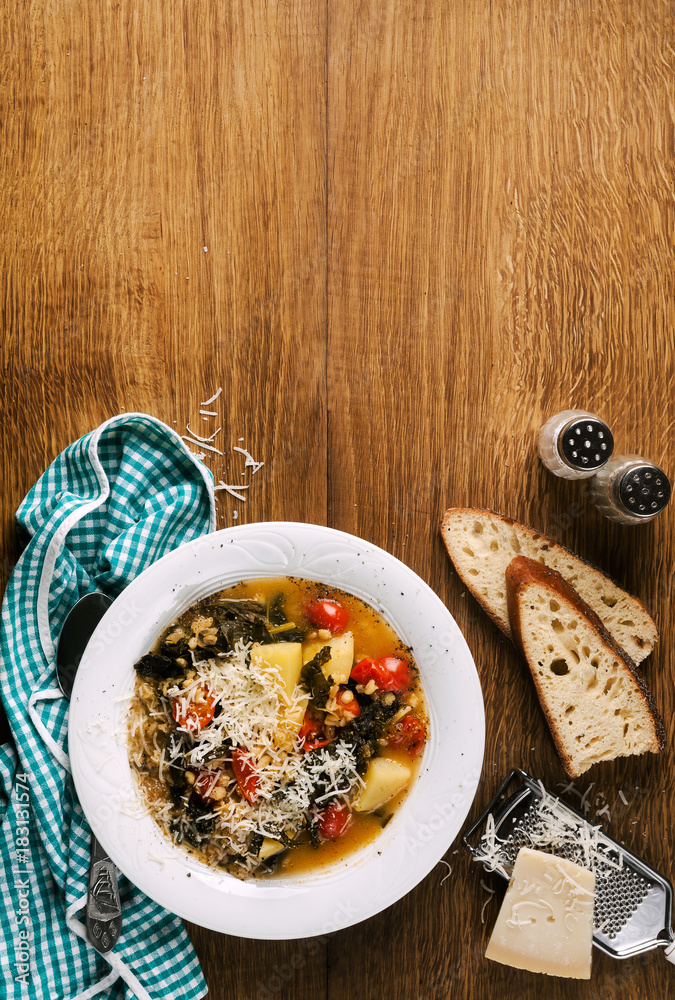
428,227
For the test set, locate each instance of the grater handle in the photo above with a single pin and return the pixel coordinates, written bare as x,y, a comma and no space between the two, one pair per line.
491,806
670,952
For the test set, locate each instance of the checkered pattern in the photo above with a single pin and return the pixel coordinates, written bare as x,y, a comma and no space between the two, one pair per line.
109,505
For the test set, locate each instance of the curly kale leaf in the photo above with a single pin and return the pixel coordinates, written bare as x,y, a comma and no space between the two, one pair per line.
255,843
195,831
158,667
312,676
364,732
237,621
276,615
275,611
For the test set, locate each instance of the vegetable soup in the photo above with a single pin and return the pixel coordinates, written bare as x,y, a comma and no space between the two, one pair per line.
276,726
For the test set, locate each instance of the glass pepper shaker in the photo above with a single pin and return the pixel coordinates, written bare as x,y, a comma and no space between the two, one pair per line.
630,490
574,444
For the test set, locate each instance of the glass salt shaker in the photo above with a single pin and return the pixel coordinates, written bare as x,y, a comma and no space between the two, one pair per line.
574,444
630,490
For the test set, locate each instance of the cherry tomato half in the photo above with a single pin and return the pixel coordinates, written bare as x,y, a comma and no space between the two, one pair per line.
328,613
365,670
394,673
347,703
334,820
245,773
408,734
312,735
195,714
391,673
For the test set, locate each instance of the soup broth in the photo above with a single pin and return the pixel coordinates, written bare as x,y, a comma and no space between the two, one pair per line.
276,727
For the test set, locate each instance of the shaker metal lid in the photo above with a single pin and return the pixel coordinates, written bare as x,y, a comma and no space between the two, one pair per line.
586,443
644,490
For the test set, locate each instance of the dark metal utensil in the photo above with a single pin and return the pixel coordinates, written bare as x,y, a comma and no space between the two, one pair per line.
78,628
104,911
633,902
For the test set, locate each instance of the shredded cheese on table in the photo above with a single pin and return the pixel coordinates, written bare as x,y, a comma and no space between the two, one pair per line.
232,490
199,438
487,901
200,444
449,871
250,461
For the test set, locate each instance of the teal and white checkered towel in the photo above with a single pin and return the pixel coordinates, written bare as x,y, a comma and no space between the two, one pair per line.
108,506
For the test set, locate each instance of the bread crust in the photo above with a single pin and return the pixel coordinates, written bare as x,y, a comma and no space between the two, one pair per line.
536,535
522,571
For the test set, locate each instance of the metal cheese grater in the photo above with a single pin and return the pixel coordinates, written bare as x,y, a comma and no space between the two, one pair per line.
633,902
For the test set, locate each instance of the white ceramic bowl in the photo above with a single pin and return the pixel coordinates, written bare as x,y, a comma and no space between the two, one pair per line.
421,830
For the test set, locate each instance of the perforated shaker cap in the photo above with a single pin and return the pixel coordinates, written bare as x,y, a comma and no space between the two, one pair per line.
586,443
644,490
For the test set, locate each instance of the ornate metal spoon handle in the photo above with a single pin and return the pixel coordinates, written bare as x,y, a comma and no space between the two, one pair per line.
104,912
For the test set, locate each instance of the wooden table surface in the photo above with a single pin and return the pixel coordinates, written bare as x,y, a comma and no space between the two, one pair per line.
399,235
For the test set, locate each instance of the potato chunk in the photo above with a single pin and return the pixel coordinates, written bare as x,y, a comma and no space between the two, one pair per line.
384,779
339,667
269,848
285,656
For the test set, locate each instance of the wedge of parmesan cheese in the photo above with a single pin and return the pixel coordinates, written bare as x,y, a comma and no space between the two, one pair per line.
546,920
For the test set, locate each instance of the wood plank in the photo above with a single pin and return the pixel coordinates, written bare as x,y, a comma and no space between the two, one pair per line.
185,139
163,207
497,201
500,221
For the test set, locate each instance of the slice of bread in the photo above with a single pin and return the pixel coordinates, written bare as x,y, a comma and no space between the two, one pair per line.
594,698
482,543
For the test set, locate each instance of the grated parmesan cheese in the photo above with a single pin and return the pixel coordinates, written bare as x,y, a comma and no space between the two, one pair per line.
487,901
158,858
585,804
250,461
253,712
210,438
556,830
449,871
200,444
232,490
